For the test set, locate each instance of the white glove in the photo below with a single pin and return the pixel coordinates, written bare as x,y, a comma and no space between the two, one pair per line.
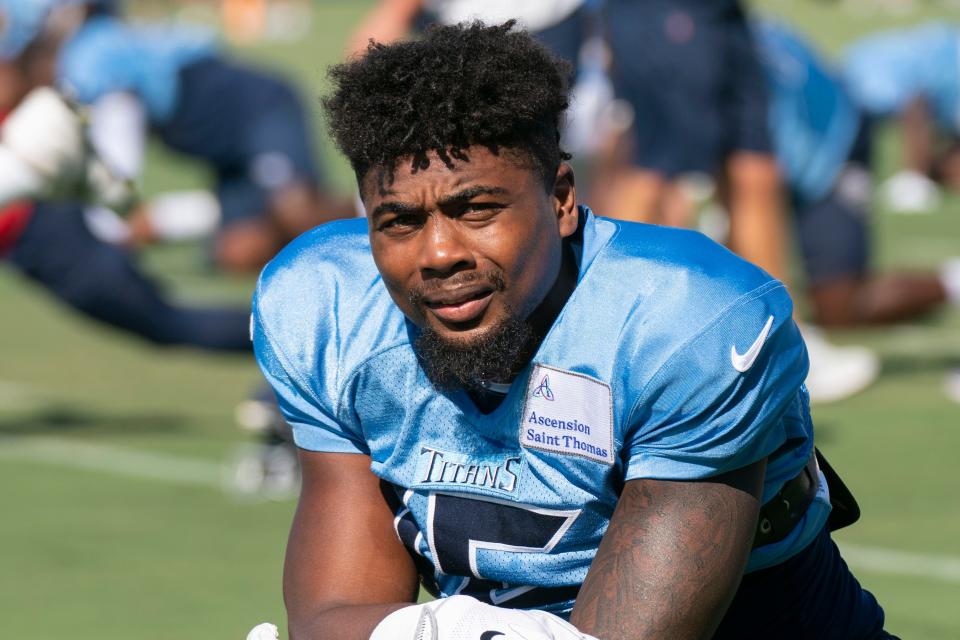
48,135
465,618
910,192
264,631
50,138
104,187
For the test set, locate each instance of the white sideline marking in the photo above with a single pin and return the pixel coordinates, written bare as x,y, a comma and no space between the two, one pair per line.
114,460
195,472
902,563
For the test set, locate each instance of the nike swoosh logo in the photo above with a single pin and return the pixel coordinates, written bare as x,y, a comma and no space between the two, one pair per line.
490,635
743,362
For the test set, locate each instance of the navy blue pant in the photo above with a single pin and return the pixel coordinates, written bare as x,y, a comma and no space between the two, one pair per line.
250,126
58,252
834,231
691,73
811,596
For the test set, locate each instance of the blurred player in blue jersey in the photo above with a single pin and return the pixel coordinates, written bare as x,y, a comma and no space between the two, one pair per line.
822,141
570,29
690,71
541,414
43,236
45,169
913,75
247,125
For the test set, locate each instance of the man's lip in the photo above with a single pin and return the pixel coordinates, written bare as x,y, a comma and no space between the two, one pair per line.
456,295
460,306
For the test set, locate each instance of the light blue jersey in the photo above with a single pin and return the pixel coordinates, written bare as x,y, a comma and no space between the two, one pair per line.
885,72
813,121
672,359
108,55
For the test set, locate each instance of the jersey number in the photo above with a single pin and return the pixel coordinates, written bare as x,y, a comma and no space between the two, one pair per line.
460,527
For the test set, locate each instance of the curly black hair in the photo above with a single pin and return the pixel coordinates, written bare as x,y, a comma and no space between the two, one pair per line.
455,87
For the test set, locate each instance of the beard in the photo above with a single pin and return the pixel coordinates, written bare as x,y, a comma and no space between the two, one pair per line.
497,356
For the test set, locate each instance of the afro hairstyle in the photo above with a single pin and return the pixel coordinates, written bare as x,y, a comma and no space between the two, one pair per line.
457,86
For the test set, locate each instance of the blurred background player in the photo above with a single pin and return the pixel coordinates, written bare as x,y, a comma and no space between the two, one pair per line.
556,23
46,162
248,125
689,70
570,29
913,75
686,74
50,244
823,145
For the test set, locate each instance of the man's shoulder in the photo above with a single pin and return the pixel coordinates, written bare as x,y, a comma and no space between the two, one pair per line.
678,267
335,246
653,291
323,284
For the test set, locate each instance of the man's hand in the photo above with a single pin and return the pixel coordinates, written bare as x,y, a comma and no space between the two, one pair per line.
464,617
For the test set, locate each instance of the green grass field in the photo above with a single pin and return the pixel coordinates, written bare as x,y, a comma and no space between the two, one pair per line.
113,522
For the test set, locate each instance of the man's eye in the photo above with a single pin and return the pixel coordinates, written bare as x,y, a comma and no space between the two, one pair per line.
398,223
480,210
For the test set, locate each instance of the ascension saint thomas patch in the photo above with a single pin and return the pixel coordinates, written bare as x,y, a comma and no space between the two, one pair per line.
568,413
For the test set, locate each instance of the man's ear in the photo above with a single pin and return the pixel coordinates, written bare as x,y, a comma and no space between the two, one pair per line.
565,200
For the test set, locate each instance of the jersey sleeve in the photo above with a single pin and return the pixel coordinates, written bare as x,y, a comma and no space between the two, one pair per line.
95,63
724,399
298,359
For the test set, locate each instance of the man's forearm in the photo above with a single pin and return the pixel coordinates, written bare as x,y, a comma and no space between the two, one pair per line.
672,571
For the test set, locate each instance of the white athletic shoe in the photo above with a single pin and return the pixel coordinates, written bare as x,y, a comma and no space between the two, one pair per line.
264,471
177,216
837,372
910,192
951,385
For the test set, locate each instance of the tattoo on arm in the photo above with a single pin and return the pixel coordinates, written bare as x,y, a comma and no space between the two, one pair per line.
671,559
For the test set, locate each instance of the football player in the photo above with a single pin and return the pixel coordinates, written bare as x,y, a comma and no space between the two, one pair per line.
561,424
48,174
912,75
822,142
247,125
689,70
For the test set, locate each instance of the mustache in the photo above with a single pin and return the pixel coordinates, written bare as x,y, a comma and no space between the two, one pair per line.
492,277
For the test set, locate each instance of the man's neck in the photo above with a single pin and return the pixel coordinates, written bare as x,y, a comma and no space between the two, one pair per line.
546,313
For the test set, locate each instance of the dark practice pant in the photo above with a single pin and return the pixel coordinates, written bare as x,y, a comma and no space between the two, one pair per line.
811,596
690,70
102,281
834,231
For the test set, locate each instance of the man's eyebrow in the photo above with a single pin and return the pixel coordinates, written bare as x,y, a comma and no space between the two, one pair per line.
395,207
464,195
470,193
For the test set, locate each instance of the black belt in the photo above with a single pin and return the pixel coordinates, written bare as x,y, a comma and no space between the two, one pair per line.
780,515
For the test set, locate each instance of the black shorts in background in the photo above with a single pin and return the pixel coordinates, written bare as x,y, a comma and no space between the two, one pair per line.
690,71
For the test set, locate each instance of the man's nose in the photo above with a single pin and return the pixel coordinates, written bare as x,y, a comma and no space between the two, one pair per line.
444,248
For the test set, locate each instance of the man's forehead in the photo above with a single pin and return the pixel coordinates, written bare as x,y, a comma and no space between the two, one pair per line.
448,173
